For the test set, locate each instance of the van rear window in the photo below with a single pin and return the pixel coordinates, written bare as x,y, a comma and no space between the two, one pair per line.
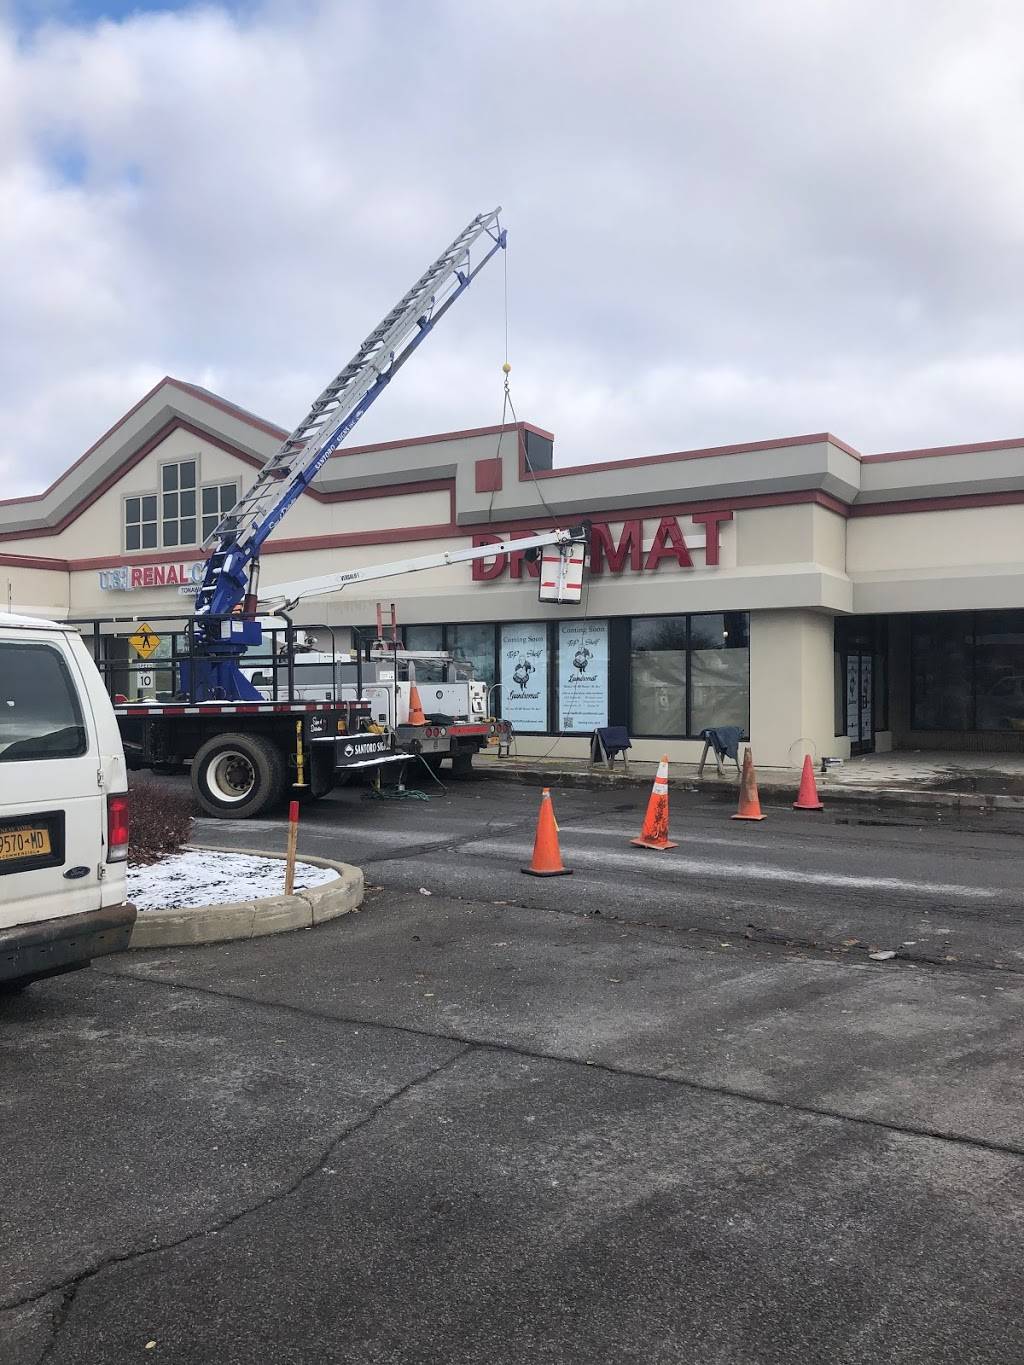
40,716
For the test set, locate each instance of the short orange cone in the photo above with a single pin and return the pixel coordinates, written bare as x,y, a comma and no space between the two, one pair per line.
750,802
655,830
547,856
808,798
416,716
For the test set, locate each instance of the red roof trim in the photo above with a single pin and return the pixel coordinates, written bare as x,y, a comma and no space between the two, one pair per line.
232,409
33,562
937,451
953,503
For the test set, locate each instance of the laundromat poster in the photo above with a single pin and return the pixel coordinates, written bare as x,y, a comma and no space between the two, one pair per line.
582,675
524,676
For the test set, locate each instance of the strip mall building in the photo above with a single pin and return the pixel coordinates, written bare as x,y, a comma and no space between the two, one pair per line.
827,601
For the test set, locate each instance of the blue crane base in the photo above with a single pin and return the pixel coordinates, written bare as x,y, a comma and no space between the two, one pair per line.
217,680
212,673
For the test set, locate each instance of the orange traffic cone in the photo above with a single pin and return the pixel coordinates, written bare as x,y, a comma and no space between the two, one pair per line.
416,716
547,856
655,831
750,802
808,798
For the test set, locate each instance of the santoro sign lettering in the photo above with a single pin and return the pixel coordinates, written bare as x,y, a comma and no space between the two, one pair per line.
611,555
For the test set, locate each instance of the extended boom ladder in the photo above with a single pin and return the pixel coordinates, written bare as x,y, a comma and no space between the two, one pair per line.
289,472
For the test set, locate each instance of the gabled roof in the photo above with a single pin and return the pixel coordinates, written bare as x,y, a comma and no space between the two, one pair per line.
168,405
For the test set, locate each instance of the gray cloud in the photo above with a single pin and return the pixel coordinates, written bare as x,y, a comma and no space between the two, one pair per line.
726,222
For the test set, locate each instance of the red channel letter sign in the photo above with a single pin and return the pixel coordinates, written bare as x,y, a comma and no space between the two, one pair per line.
608,555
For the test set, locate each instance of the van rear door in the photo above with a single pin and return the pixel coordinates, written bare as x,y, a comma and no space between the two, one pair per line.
52,807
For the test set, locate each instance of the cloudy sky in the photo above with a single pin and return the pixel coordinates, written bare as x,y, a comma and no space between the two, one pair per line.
726,222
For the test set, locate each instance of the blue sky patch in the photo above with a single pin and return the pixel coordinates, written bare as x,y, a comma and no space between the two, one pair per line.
32,13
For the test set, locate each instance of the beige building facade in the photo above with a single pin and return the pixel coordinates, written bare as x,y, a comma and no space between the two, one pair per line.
824,601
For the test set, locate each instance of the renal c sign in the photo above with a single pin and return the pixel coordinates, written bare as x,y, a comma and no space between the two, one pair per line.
129,578
668,543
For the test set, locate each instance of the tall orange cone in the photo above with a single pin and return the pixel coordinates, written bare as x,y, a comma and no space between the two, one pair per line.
416,716
655,830
750,802
547,856
808,798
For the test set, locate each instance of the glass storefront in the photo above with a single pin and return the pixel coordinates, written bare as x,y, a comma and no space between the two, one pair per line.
475,644
430,638
967,671
662,677
689,673
657,675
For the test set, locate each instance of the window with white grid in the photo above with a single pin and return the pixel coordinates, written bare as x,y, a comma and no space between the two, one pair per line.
140,522
217,501
178,503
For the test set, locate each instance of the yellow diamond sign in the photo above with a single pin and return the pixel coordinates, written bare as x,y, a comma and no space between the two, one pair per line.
144,641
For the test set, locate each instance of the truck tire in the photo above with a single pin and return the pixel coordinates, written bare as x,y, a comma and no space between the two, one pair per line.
238,776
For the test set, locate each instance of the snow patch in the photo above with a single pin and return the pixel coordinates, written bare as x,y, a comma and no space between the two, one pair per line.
197,877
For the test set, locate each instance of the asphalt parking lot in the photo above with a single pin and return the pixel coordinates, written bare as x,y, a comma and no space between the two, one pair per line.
597,1118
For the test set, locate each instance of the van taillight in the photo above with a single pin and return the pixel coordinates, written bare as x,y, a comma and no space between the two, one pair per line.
117,827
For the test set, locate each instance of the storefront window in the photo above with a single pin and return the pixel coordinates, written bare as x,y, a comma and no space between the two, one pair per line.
429,638
719,671
942,653
475,644
582,676
689,673
524,676
657,667
967,671
999,669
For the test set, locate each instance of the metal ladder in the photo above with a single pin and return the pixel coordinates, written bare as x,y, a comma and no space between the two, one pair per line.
289,472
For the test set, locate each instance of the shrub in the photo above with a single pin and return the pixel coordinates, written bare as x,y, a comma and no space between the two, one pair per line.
161,819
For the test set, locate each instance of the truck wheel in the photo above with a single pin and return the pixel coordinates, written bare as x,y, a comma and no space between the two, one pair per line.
462,765
237,776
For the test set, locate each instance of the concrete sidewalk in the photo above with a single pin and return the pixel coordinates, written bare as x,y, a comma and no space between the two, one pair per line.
951,779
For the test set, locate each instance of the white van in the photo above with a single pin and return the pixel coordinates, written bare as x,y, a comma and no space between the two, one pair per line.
63,807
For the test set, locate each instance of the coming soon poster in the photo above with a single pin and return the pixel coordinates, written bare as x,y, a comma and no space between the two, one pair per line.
524,676
582,675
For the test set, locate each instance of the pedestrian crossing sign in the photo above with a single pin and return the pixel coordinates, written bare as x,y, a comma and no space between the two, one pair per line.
144,641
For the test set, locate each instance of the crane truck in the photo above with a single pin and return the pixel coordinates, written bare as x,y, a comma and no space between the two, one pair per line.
245,751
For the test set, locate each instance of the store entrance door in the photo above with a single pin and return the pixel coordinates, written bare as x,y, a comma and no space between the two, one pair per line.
860,712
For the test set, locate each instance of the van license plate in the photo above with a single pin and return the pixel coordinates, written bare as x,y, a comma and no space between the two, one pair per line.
24,843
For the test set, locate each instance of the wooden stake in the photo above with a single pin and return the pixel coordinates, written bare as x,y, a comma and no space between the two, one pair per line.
293,840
